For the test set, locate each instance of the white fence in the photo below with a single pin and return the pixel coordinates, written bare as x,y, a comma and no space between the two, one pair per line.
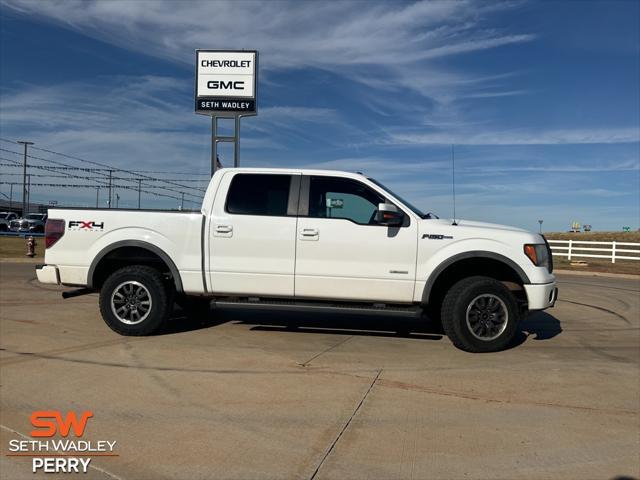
588,249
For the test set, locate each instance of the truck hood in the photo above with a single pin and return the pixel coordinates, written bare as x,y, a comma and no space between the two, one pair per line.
466,229
472,224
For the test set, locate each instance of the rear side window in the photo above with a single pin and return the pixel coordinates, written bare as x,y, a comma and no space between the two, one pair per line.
257,194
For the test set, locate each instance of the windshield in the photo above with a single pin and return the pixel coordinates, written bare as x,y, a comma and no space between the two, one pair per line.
407,204
34,216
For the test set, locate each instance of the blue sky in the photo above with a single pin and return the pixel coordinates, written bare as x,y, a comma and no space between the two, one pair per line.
541,99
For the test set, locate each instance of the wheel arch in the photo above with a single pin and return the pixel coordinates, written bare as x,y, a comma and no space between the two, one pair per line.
473,259
126,249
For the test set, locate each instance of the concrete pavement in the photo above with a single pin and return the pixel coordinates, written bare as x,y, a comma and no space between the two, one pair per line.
244,395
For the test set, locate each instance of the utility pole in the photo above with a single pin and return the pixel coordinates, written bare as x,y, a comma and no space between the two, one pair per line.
139,190
97,196
28,191
11,196
117,200
182,201
110,172
24,177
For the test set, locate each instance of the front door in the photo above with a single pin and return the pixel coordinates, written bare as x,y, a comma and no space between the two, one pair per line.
343,253
252,234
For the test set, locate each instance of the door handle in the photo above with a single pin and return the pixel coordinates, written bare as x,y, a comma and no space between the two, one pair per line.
309,234
224,228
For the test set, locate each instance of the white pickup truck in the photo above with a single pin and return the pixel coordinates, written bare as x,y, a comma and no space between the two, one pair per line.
302,239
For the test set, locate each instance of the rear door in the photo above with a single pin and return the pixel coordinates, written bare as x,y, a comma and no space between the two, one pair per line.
343,253
252,234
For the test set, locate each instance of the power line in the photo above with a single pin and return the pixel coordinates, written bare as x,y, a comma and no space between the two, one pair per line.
32,174
107,169
104,171
115,178
76,185
100,164
102,184
105,175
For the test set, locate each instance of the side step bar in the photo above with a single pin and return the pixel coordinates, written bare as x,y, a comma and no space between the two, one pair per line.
311,306
77,293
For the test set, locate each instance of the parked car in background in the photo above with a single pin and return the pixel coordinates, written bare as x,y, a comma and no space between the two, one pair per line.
32,223
5,219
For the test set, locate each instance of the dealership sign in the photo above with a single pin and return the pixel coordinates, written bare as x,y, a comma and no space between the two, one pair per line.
226,81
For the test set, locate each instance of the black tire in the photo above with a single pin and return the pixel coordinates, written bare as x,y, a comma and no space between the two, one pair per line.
480,303
154,286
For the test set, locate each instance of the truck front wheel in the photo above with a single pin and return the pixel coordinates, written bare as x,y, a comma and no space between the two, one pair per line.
479,314
135,300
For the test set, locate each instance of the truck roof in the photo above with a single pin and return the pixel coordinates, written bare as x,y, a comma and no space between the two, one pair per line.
303,171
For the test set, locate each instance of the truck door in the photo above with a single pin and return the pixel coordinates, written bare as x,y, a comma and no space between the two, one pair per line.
252,234
343,253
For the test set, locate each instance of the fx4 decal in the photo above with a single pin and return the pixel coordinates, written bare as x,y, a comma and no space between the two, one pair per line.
85,225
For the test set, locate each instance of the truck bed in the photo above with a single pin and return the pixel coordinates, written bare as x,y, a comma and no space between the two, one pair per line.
92,233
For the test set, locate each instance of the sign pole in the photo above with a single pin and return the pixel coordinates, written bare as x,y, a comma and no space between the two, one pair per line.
236,144
214,144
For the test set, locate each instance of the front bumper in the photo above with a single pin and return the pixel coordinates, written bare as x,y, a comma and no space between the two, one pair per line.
541,296
48,274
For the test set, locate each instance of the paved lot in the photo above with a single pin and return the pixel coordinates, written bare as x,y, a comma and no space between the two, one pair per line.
247,395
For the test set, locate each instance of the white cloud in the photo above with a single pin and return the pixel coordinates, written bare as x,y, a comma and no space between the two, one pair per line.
381,167
346,38
517,137
289,34
620,166
508,93
127,123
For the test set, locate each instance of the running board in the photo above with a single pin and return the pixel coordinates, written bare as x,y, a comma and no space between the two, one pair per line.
77,293
310,306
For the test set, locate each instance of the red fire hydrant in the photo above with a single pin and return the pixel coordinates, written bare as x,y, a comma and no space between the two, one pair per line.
31,247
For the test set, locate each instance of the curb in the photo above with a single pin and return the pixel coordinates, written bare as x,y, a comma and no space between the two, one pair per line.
598,274
33,260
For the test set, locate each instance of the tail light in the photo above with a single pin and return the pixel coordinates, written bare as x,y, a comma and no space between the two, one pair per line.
53,231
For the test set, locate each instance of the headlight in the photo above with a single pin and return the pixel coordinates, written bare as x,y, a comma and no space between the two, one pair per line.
537,253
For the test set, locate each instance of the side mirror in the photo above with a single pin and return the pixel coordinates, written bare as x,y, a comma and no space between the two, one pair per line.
388,214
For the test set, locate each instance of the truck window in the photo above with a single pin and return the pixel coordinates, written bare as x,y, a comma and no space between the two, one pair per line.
257,194
333,197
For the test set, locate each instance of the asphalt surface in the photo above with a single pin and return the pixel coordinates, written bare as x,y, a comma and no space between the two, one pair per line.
255,395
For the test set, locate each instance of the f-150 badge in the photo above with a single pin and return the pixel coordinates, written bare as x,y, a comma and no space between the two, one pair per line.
436,236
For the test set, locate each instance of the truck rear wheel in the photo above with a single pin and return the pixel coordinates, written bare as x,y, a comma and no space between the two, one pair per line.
135,300
479,314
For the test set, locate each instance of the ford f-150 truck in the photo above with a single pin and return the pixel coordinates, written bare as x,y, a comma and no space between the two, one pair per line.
302,239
